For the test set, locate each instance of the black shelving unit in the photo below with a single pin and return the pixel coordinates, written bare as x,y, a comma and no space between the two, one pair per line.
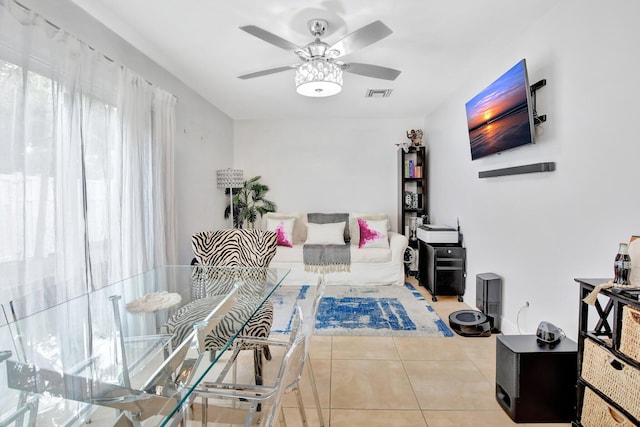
416,184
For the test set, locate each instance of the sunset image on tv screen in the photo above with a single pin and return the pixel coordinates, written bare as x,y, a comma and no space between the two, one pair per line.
498,117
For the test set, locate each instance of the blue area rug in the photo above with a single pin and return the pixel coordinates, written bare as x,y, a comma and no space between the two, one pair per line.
361,310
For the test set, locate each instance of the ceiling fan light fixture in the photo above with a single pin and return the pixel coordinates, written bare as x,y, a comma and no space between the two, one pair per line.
318,78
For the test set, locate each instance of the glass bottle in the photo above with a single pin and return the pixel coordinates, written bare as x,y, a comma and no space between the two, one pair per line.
622,265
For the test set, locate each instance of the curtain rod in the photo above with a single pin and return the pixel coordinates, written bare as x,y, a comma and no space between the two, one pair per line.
88,45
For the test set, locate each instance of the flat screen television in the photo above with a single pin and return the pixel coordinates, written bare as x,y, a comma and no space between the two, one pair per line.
501,116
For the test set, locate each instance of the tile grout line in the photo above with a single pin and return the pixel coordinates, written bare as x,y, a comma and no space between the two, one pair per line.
328,422
415,396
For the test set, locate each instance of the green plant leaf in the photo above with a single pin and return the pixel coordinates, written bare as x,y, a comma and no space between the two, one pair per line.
249,202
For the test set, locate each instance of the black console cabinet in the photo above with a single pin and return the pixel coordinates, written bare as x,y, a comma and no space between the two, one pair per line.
608,357
442,269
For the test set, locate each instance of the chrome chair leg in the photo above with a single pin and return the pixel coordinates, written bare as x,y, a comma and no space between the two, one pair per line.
314,389
303,413
283,421
204,413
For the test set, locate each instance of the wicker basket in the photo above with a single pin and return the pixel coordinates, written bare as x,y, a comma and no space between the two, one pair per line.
612,377
630,339
598,413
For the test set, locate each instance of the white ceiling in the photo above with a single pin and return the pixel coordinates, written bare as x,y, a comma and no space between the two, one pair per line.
435,43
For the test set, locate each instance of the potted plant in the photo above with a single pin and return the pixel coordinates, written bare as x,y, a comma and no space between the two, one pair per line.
249,202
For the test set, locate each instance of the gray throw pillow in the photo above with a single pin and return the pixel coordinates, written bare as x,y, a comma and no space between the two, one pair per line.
329,218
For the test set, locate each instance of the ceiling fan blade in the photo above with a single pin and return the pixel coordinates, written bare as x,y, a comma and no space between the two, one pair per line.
266,72
362,37
369,70
270,37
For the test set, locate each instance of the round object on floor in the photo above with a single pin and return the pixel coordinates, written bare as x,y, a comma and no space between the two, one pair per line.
409,255
470,323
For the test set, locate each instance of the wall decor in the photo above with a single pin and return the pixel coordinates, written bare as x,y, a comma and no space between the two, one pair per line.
415,135
409,197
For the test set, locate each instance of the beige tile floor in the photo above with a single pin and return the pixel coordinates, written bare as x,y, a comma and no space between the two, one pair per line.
403,381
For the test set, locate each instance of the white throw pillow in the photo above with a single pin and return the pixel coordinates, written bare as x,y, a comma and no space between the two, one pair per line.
373,234
325,234
283,228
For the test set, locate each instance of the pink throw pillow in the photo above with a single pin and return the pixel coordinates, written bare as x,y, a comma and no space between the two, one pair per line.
284,230
373,234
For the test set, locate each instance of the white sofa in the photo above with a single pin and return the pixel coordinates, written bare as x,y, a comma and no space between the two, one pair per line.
369,266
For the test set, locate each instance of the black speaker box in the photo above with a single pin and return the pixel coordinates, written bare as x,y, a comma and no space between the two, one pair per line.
536,383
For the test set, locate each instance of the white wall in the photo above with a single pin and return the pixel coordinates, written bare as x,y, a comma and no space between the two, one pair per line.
540,231
204,134
325,166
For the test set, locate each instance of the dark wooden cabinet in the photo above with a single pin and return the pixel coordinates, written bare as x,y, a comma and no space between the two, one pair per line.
412,192
442,269
608,357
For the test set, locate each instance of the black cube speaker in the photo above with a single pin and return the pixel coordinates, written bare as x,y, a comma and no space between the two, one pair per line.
489,297
536,383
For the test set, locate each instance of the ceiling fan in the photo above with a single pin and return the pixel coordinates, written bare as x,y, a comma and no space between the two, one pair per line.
320,72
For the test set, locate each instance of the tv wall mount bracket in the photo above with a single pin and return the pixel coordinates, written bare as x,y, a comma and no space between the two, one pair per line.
537,119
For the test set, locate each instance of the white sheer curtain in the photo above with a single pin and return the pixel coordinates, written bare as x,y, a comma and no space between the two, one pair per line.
86,171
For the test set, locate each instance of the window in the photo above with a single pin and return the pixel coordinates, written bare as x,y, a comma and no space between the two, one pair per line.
84,142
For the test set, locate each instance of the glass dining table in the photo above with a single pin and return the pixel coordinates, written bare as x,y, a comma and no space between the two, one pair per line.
127,354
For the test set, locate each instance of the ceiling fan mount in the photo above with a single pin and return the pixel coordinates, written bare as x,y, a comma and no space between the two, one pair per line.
317,52
318,27
317,49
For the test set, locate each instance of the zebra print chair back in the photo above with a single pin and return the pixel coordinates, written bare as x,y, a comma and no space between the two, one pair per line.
235,247
230,249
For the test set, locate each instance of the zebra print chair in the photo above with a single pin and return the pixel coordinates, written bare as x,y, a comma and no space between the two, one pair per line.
231,248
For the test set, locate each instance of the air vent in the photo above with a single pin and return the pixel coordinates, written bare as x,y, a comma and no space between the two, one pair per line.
378,93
